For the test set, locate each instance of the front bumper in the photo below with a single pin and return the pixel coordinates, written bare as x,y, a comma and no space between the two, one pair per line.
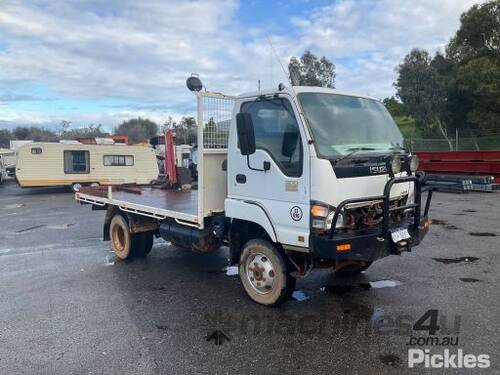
376,243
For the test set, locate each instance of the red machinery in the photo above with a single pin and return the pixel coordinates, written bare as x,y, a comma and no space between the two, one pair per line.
170,169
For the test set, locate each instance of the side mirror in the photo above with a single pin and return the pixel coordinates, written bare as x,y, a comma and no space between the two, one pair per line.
246,135
290,139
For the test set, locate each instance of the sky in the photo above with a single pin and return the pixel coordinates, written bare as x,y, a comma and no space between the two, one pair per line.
105,61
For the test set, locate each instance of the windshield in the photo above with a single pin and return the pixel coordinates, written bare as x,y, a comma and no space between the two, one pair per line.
343,124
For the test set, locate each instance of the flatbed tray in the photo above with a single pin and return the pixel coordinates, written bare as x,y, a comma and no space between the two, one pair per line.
152,201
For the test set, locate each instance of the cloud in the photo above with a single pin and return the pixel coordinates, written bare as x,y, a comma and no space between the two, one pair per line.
142,51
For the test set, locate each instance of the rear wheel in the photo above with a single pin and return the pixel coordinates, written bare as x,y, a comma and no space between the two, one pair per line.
125,244
264,273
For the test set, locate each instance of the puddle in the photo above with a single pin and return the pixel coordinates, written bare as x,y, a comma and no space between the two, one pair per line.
13,206
338,289
456,260
482,234
61,227
389,359
30,228
299,296
445,224
379,284
362,311
470,280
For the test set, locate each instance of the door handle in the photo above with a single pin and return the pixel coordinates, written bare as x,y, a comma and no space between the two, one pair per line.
241,178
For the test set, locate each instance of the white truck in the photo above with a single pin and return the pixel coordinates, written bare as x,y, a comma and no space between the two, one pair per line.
289,179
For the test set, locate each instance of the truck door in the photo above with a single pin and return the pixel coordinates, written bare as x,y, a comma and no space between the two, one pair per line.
283,190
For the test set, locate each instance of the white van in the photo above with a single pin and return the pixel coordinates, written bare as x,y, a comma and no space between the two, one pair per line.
58,164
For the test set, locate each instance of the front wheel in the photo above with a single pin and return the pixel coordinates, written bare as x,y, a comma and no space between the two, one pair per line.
264,273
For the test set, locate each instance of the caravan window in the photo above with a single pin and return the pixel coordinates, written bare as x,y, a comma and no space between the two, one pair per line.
118,160
36,150
76,162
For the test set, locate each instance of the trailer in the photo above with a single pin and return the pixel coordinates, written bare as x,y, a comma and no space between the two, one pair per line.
75,164
289,179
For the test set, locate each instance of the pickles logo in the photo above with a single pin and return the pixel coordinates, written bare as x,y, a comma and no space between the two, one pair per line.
296,213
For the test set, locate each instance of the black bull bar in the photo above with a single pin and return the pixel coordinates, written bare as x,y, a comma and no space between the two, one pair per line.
418,181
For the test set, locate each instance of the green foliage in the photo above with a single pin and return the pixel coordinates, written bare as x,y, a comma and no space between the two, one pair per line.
185,129
89,131
461,88
5,137
311,71
137,129
34,133
395,107
478,35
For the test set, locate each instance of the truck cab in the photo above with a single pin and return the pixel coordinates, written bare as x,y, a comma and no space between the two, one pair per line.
326,175
290,180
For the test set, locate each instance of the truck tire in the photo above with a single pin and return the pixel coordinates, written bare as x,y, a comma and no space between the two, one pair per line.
352,270
125,244
264,273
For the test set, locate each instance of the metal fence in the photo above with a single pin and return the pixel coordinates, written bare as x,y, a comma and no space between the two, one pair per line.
214,115
484,142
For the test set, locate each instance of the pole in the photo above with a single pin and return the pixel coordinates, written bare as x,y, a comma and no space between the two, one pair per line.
456,139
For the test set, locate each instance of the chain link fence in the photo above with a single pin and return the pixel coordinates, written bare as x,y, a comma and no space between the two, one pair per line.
484,142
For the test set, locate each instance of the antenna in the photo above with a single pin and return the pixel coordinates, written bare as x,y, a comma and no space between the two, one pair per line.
279,61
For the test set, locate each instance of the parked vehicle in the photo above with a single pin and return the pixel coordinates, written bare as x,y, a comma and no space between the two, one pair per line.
307,177
75,164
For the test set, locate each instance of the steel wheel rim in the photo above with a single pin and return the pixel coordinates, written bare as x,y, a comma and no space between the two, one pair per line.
260,273
119,238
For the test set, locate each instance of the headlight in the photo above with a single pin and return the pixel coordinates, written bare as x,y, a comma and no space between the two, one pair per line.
322,217
338,224
414,162
395,164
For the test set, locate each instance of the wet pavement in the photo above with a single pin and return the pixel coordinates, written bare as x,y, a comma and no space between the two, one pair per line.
68,306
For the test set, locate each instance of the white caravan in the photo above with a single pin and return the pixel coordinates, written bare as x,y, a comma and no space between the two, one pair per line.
61,164
302,177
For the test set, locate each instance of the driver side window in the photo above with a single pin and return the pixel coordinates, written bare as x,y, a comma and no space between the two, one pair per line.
277,133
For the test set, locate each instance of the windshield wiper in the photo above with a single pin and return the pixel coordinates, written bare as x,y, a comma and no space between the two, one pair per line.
353,150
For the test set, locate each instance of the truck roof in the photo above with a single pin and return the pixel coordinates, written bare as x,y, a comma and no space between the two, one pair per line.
302,89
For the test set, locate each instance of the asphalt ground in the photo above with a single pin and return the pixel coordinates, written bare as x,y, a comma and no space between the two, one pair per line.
68,306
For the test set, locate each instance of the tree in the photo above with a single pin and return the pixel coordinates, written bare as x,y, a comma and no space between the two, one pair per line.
311,71
89,131
395,107
478,35
422,91
5,137
35,133
137,129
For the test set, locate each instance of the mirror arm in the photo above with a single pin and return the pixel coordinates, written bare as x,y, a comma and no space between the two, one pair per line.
266,166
